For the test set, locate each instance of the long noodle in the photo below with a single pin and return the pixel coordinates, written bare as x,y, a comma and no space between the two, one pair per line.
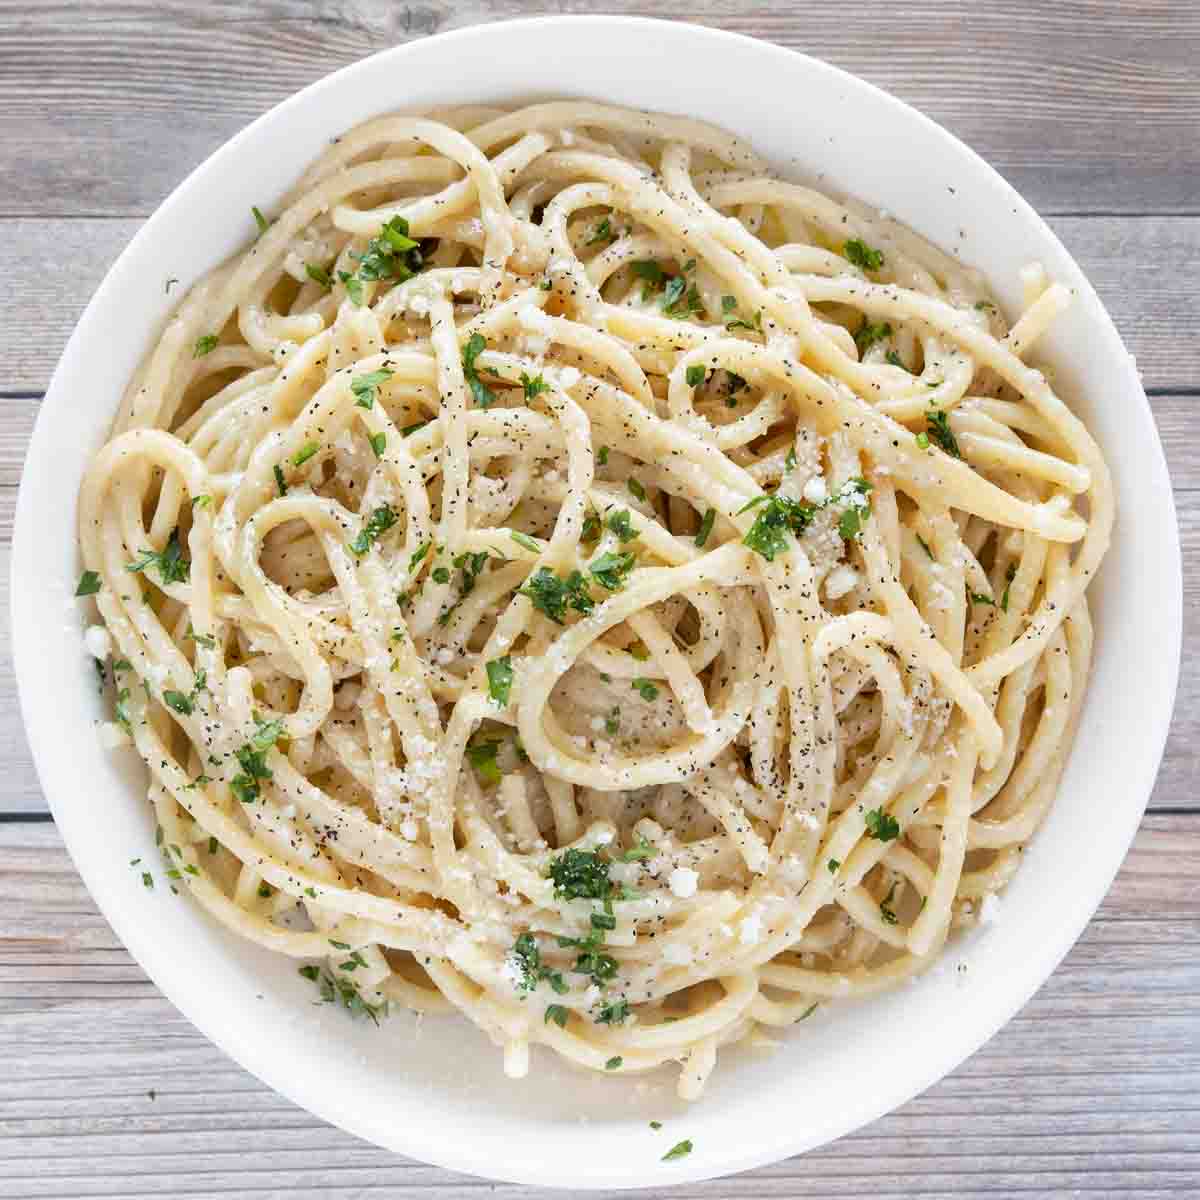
561,573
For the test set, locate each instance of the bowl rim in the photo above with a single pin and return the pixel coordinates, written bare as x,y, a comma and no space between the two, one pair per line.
238,1041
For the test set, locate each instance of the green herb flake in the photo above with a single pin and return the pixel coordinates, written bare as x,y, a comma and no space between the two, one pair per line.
865,257
378,443
481,754
484,396
777,516
204,345
868,334
1009,576
525,541
613,1063
645,688
89,584
363,387
833,865
615,1012
170,563
937,425
635,488
602,456
259,220
580,875
679,1150
556,1013
706,527
553,596
980,598
882,825
611,570
307,451
318,275
378,523
280,482
620,524
925,546
500,678
533,387
695,375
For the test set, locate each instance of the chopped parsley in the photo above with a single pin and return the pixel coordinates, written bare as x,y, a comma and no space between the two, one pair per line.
204,345
613,1013
318,275
580,875
695,375
89,584
170,563
363,387
1009,576
484,396
280,482
500,677
259,220
378,523
778,514
612,723
305,453
706,526
620,524
611,570
353,286
339,990
602,456
937,425
679,1150
481,754
391,255
833,865
603,232
980,598
645,688
528,958
639,853
533,387
882,825
867,258
378,443
635,488
525,541
613,1063
553,596
868,334
851,520
556,1013
680,300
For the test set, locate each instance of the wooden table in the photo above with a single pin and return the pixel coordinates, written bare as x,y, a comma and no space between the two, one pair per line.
1092,109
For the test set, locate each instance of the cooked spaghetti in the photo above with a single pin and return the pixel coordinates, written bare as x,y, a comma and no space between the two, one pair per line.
562,573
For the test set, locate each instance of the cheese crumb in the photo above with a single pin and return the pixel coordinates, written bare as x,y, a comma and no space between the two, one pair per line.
683,882
98,641
815,491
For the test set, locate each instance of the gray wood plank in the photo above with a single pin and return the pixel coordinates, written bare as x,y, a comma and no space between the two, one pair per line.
1090,1091
108,104
1144,270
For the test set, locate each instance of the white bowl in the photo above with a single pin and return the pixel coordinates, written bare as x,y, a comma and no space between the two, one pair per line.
434,1090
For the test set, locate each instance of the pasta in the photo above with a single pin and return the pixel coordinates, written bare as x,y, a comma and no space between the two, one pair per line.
562,573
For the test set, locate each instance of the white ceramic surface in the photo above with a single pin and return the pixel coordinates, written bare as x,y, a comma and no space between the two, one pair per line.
434,1090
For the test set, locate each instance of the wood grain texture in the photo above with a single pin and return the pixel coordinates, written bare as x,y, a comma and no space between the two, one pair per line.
1090,1091
1143,268
1085,105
